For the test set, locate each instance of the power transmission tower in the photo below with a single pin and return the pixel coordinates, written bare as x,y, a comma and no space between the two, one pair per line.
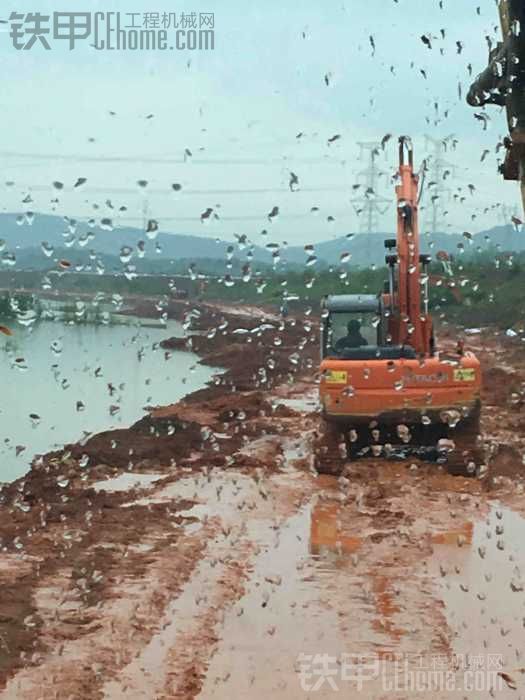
145,213
438,171
370,206
506,213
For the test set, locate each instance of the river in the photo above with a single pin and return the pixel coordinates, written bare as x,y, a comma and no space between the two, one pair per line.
59,380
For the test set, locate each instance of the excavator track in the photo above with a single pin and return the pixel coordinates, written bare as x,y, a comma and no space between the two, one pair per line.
468,457
458,450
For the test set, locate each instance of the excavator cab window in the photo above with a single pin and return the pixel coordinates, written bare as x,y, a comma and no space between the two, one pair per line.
351,330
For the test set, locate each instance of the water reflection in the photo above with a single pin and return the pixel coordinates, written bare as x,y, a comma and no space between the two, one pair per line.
76,378
328,540
479,568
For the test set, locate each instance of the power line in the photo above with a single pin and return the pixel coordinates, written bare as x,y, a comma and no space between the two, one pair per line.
183,192
506,212
439,170
261,218
189,161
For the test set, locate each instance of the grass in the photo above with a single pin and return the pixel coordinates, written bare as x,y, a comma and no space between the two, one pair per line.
491,288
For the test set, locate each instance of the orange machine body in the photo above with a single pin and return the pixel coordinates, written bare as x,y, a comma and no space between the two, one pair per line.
404,378
399,391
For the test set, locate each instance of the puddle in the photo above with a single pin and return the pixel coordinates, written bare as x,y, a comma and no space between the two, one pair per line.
148,669
310,588
308,403
141,547
297,602
480,573
192,528
328,541
126,481
296,452
263,447
264,631
219,493
459,537
279,618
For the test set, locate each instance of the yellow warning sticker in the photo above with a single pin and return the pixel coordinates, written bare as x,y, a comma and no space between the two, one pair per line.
464,375
336,377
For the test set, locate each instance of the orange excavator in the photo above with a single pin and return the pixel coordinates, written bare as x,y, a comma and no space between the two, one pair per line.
384,384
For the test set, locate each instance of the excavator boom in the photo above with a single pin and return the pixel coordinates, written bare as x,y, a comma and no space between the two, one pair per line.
409,323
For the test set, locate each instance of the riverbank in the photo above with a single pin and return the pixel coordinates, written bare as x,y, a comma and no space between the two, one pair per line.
63,382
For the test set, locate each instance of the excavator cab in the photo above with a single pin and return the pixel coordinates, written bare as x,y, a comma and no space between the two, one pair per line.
355,327
350,323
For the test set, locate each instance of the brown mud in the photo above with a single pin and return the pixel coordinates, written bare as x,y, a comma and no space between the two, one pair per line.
199,554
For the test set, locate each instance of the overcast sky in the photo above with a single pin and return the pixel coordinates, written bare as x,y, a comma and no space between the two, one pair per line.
239,108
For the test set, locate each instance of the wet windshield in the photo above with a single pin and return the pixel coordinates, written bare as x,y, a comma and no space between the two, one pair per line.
217,483
351,330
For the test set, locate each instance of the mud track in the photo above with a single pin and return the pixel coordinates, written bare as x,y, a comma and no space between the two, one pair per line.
198,553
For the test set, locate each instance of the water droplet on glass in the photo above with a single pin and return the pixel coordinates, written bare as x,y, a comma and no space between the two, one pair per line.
126,253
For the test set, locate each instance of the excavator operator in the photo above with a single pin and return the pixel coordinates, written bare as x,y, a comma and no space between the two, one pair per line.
354,339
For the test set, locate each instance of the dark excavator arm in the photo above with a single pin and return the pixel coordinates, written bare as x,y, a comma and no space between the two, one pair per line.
503,83
490,87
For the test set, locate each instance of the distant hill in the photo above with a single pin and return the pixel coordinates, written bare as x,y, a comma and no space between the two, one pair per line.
174,252
54,230
366,250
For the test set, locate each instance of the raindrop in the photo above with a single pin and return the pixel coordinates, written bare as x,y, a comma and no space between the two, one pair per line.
126,253
47,249
152,229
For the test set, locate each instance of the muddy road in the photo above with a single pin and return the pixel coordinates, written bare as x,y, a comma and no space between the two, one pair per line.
199,554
